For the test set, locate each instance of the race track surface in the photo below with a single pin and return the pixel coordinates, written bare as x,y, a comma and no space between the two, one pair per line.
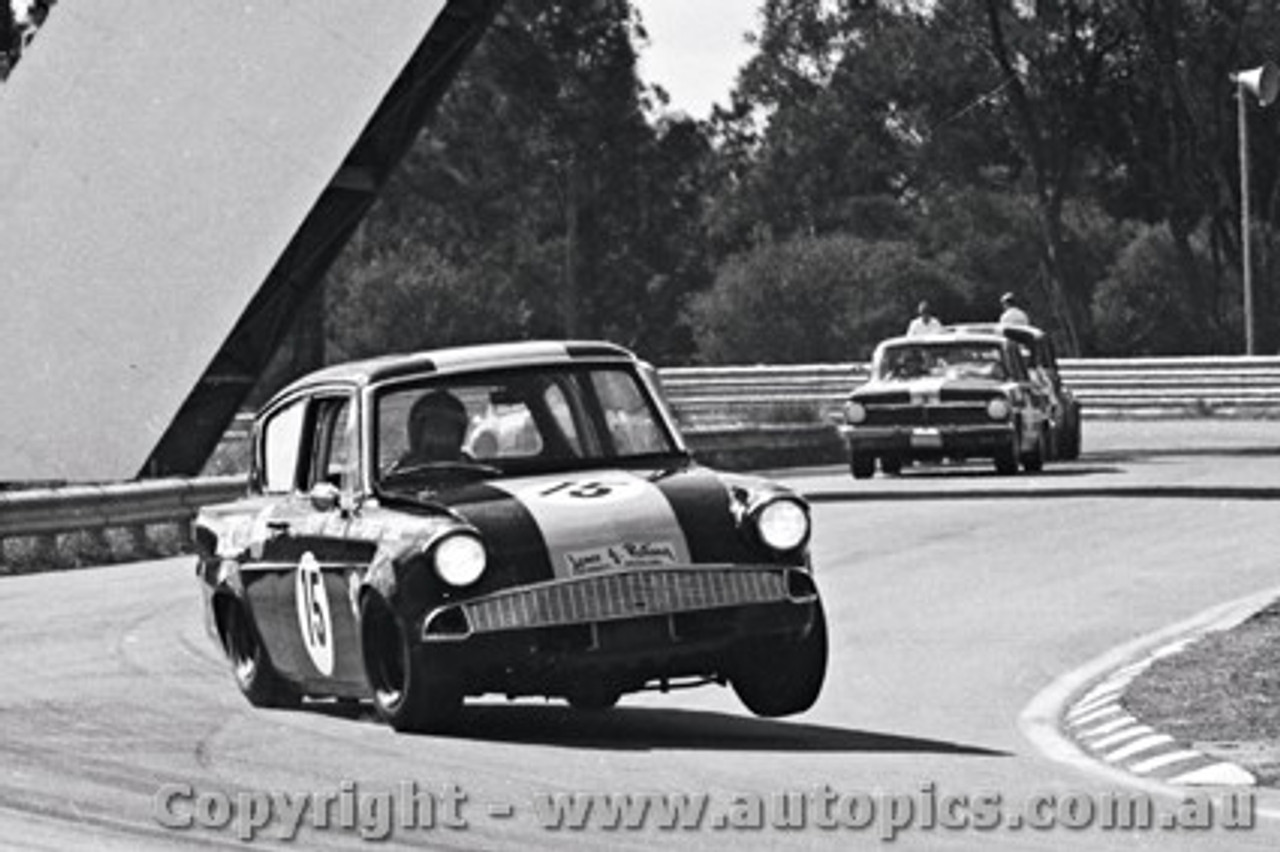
954,596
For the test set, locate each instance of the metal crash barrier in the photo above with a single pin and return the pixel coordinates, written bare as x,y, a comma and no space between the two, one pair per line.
734,417
1157,387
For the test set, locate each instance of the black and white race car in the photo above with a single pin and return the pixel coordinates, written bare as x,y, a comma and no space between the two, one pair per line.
521,519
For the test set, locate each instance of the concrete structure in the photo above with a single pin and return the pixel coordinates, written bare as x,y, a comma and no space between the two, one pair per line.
171,188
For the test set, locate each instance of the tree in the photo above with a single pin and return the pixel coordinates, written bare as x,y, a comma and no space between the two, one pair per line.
817,299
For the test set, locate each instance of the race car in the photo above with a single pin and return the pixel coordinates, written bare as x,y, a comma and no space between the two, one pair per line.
1041,358
948,394
521,519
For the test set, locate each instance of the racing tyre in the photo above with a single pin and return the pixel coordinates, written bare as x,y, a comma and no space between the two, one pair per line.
891,465
776,678
1033,461
254,673
593,697
862,466
1007,457
1071,439
407,693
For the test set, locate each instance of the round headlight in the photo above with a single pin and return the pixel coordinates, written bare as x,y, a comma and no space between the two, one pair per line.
855,412
783,525
998,408
459,559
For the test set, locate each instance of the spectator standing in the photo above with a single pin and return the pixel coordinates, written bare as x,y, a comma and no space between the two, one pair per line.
924,322
1012,314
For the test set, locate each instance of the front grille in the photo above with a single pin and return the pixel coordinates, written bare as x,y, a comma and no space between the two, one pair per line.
944,414
625,594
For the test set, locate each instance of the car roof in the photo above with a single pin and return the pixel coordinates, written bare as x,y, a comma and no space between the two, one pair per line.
460,359
1014,331
947,335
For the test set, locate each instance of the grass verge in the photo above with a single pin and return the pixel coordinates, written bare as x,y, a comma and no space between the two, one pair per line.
1221,694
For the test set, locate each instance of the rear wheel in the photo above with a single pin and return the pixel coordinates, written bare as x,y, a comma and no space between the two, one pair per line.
254,673
891,465
862,466
1071,438
407,693
777,678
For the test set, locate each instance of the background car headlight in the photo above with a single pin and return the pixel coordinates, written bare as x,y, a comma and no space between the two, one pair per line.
783,524
459,559
855,412
998,408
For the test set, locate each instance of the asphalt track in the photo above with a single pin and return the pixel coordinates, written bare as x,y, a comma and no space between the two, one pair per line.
954,598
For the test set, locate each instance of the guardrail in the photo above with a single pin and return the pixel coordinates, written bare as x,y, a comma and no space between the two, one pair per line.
1105,387
735,416
34,522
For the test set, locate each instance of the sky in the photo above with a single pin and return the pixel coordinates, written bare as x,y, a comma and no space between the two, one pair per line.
695,49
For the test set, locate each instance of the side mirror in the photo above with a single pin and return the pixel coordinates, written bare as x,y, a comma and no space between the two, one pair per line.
325,496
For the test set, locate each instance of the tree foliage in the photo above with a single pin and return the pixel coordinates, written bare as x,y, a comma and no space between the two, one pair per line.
871,153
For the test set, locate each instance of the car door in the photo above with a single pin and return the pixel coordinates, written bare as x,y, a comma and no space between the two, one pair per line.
299,588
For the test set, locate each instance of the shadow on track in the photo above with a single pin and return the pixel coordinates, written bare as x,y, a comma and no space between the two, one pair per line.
647,728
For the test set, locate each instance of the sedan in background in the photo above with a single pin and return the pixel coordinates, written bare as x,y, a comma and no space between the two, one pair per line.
950,394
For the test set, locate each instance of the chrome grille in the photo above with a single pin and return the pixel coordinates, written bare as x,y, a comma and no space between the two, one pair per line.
625,594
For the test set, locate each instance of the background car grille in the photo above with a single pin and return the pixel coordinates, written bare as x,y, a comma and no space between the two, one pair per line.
945,414
626,594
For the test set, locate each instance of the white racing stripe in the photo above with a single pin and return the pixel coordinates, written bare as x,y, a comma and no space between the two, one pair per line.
598,520
926,390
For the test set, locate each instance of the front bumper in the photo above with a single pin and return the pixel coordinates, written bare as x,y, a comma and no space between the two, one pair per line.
625,628
931,441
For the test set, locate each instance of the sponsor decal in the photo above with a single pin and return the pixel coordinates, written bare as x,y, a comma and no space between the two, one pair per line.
628,554
599,519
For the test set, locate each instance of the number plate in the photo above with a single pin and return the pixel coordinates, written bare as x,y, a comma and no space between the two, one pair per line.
930,438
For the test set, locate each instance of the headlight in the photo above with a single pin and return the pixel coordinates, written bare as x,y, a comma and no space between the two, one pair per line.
855,412
998,408
783,524
459,559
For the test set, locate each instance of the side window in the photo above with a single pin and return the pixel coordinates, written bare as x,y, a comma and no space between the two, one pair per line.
333,453
1018,367
282,436
629,419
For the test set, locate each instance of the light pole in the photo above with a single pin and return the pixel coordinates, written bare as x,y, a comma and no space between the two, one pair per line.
1263,83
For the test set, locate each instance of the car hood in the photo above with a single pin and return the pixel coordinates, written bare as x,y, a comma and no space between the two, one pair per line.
570,523
929,389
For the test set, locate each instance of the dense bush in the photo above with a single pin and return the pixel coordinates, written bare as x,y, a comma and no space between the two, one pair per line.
815,299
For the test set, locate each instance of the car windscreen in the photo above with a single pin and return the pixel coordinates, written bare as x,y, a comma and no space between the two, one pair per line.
942,360
517,421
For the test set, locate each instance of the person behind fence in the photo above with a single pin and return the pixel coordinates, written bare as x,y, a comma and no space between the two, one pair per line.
924,322
1012,314
437,426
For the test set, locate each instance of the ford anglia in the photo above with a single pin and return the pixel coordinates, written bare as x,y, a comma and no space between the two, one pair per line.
522,519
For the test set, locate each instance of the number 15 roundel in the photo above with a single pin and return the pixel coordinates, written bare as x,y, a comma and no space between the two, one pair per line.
313,613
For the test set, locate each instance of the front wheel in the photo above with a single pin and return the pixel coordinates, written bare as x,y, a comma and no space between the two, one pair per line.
773,677
861,465
1006,458
407,693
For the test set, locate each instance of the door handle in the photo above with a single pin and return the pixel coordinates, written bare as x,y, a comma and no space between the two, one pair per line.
278,527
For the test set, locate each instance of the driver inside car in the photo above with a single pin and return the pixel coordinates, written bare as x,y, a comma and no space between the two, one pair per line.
437,427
